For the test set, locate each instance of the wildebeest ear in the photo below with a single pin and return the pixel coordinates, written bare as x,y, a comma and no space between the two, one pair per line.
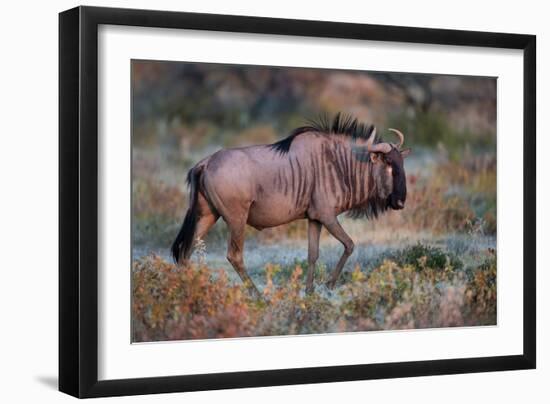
374,157
405,152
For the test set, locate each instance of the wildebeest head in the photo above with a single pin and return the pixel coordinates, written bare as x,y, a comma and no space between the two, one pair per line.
388,171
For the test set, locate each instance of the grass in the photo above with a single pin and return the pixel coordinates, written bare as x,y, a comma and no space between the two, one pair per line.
421,287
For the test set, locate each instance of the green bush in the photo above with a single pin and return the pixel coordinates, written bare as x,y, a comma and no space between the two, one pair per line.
420,256
432,128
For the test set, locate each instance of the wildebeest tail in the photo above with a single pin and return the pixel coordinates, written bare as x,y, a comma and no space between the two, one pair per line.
184,240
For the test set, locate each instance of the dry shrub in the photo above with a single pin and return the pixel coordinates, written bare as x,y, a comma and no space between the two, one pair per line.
157,210
430,209
261,134
152,198
288,311
450,309
172,303
481,293
403,297
452,197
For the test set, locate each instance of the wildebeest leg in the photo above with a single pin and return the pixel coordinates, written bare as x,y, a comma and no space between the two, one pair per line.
314,231
338,232
235,249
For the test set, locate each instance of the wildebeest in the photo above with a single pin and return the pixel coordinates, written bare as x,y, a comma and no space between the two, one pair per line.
317,172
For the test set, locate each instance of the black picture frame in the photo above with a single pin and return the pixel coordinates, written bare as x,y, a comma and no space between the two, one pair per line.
78,201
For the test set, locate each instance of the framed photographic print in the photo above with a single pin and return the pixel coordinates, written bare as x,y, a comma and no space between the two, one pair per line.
251,201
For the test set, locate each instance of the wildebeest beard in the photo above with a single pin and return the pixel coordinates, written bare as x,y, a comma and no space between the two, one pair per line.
373,206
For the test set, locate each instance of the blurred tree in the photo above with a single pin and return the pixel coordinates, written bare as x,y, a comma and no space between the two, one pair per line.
416,88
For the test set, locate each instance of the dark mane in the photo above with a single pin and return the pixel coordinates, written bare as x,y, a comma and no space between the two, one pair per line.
374,205
370,210
341,124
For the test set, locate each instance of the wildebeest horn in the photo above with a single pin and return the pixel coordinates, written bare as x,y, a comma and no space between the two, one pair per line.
379,147
401,138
